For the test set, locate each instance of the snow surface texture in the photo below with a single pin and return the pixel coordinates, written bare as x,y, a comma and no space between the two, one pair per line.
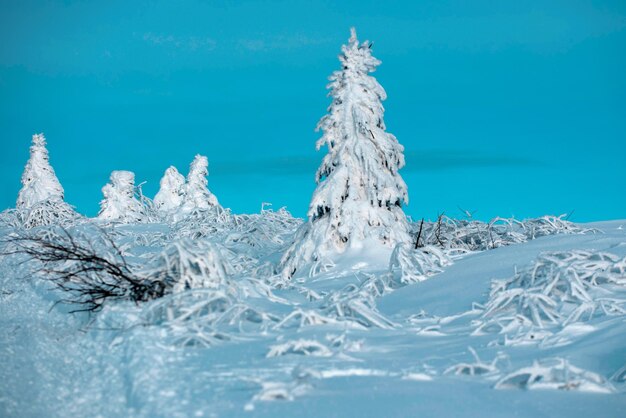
230,336
360,192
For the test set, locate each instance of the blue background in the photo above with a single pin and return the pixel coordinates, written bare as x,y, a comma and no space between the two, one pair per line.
504,109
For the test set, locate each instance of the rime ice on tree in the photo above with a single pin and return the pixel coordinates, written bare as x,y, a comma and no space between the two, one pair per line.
197,194
40,201
120,203
171,192
39,183
359,193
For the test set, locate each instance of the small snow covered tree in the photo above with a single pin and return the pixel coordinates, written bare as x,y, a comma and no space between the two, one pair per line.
360,194
171,192
40,201
39,183
197,195
120,203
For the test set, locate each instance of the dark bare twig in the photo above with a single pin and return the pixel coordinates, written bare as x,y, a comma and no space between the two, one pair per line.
90,276
419,235
438,229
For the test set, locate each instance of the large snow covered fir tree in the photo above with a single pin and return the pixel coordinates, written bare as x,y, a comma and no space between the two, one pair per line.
360,193
197,195
39,182
119,203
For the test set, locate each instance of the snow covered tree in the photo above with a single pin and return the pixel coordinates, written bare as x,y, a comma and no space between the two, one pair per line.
360,193
40,201
39,183
197,194
171,192
120,203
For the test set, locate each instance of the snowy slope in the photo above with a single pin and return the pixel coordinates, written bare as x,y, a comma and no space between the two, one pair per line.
410,355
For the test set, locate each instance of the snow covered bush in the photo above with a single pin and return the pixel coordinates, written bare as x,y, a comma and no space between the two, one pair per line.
196,194
87,266
10,218
48,212
410,265
252,240
558,289
91,266
191,265
120,203
40,201
355,304
258,238
454,235
214,314
214,222
360,192
268,229
171,193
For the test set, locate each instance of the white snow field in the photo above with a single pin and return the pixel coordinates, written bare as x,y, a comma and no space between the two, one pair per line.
534,328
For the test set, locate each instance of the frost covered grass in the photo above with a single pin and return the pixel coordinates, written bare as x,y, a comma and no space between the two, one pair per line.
226,307
465,235
557,290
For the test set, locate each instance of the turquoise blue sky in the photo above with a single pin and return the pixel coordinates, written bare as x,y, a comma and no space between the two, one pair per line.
504,107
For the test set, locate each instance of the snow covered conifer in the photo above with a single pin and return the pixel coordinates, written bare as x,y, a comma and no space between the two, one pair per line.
171,192
39,183
40,201
120,203
197,194
360,193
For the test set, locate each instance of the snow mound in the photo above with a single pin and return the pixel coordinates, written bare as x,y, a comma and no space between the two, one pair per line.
300,347
476,368
555,374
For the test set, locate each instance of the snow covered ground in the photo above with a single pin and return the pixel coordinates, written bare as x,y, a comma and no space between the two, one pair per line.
336,344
